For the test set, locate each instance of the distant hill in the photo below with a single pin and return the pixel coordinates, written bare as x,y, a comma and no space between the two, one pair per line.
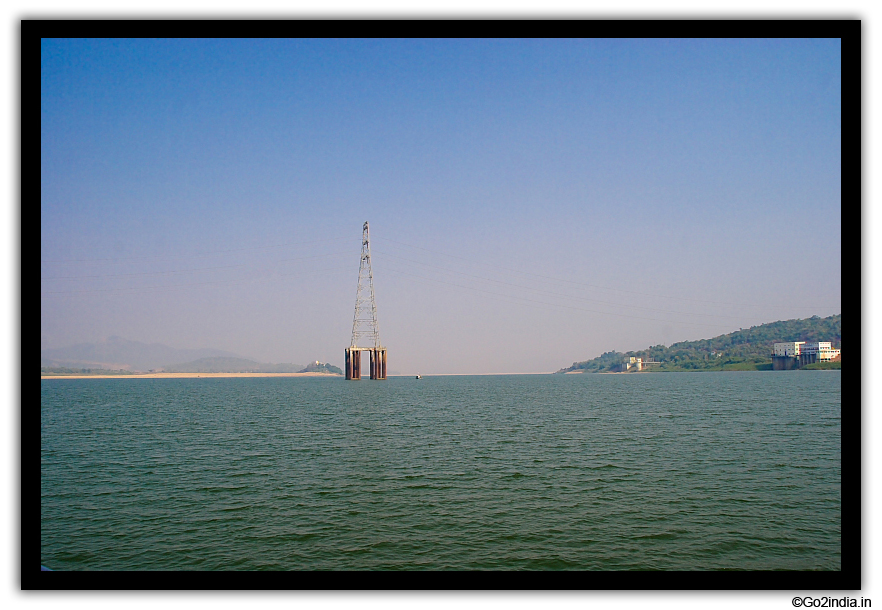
119,356
118,353
232,365
321,367
745,349
64,371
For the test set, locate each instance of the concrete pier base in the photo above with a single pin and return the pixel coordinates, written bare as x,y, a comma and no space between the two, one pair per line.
352,358
378,363
784,363
353,363
805,359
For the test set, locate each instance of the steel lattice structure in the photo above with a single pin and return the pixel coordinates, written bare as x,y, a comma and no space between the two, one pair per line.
364,321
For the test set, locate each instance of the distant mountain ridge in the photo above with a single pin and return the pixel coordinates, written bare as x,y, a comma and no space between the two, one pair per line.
119,353
232,365
744,349
243,365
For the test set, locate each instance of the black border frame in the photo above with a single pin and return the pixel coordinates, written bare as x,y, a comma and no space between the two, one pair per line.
849,578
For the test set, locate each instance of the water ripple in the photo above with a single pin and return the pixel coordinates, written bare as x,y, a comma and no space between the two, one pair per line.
564,472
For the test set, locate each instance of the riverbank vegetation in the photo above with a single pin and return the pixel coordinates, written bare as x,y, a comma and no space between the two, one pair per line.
747,349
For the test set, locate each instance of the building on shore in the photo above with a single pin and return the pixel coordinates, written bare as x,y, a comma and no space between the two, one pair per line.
796,354
790,349
817,352
639,363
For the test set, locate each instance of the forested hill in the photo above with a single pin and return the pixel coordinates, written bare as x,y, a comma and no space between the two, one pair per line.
748,348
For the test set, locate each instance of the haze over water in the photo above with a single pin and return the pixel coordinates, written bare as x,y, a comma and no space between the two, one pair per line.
589,472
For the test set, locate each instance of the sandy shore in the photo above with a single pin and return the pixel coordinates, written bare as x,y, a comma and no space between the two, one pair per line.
194,375
186,375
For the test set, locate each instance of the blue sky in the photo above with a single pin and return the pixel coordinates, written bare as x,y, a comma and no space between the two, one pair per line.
531,203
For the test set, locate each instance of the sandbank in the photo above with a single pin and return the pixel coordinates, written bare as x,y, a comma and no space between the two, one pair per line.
186,375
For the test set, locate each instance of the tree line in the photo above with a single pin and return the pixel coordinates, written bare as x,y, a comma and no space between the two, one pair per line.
745,349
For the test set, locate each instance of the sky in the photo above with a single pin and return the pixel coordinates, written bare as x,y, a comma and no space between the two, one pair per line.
150,233
532,203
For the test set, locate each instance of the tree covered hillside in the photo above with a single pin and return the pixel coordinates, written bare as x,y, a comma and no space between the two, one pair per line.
745,349
322,367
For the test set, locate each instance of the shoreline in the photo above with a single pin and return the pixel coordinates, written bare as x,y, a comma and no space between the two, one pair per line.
234,375
187,375
469,374
219,375
692,371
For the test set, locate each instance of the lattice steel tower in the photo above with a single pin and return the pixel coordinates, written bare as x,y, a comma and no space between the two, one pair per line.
364,321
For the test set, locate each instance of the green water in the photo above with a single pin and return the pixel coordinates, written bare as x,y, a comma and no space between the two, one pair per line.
691,471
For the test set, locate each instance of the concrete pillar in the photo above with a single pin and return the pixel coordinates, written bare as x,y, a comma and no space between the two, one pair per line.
353,363
352,360
378,363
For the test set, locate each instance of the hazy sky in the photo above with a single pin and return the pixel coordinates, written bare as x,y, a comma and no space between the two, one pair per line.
531,203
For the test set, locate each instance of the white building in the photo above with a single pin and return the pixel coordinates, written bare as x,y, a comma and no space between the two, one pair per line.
638,362
791,348
822,350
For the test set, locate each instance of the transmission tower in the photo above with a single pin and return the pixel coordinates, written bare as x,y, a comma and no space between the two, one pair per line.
364,321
